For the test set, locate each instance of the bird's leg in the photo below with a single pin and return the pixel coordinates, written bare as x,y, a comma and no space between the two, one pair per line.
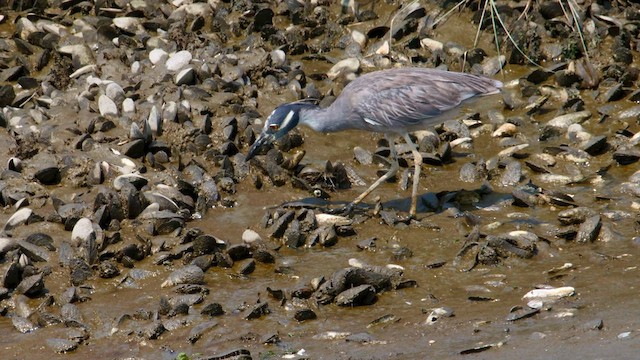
391,172
417,158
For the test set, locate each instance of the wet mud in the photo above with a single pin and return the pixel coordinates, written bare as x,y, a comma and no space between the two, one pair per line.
145,234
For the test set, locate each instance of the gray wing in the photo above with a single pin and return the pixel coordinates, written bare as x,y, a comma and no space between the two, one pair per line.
407,97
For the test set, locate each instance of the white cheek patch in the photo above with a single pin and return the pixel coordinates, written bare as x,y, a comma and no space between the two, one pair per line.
287,120
266,121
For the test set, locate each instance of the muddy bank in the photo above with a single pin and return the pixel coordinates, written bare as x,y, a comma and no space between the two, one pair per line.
134,227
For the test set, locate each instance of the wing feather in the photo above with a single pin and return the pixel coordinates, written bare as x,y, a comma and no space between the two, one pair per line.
402,98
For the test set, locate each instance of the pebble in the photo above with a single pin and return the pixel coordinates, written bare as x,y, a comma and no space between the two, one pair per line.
82,232
128,106
128,24
329,219
136,67
106,106
20,217
550,294
136,180
624,335
190,274
431,44
115,92
91,68
81,53
359,38
62,346
185,76
564,121
346,66
589,229
278,58
250,236
178,60
158,56
506,129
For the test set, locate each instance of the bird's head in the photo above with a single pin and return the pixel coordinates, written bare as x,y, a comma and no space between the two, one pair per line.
282,120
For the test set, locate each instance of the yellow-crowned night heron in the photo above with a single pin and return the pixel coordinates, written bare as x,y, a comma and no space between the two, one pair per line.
394,101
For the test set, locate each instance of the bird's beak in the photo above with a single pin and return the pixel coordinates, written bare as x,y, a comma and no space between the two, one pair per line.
263,139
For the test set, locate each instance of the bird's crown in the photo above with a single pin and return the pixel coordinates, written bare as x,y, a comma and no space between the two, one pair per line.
285,117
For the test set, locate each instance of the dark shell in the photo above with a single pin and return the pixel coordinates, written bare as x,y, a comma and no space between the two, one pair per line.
49,175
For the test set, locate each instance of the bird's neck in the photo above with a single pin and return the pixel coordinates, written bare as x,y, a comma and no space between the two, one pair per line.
326,120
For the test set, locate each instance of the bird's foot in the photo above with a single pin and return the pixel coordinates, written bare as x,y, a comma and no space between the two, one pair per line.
346,210
405,219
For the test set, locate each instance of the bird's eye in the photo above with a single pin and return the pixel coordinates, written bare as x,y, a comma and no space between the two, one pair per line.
274,126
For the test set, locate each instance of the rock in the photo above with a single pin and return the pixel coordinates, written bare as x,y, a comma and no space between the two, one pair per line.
304,315
250,236
20,217
595,145
157,56
596,324
7,95
361,338
629,113
153,330
185,77
154,121
41,240
196,332
23,325
512,174
431,44
24,28
363,156
519,313
178,60
278,58
62,346
563,121
81,54
108,269
357,296
257,311
247,266
83,232
71,315
589,229
575,215
207,244
33,252
550,294
190,274
506,129
48,176
31,286
134,149
626,156
491,66
239,252
346,66
128,106
129,24
212,309
115,92
106,106
136,180
12,73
